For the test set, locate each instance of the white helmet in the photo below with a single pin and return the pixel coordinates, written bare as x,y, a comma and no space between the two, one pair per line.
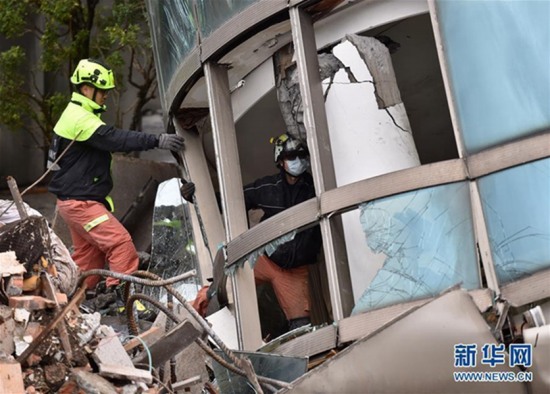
287,145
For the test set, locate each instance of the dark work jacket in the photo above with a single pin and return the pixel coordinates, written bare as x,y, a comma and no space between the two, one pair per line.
273,195
85,169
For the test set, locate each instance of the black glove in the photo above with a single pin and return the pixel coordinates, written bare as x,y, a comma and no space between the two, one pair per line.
187,191
173,142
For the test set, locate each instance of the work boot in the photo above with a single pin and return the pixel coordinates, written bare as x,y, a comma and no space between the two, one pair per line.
298,322
119,307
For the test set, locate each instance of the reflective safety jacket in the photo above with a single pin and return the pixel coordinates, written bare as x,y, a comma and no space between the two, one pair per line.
84,171
273,194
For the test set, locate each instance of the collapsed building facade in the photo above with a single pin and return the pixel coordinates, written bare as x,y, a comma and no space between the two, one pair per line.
427,123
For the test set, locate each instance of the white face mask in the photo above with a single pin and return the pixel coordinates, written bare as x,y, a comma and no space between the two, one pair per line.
297,166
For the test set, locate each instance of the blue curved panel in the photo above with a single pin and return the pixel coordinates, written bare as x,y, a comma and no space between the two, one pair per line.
498,53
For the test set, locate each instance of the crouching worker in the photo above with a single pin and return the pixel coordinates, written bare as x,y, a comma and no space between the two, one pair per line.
287,268
82,178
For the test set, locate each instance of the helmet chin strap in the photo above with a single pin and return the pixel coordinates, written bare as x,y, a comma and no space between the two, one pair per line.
94,95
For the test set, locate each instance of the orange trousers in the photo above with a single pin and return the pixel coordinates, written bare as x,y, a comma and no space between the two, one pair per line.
98,237
291,286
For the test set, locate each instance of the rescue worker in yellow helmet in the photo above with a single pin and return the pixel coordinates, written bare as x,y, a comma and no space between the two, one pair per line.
82,178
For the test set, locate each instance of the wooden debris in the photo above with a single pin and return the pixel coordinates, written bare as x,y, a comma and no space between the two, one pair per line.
60,316
12,184
50,292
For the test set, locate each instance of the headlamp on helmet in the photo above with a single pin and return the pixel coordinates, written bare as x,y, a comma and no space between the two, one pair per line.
94,73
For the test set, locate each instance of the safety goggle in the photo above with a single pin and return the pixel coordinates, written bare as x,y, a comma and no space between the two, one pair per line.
295,154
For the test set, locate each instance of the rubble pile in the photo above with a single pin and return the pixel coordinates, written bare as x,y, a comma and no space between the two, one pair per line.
54,342
57,337
47,345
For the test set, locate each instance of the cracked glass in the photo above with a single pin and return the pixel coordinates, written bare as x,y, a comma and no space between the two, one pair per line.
497,54
173,251
174,32
426,240
517,212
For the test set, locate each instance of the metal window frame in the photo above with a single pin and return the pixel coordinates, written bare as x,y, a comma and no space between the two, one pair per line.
329,202
316,125
349,197
231,188
480,226
197,172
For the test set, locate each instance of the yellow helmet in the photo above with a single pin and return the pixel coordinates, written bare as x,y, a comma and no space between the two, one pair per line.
93,72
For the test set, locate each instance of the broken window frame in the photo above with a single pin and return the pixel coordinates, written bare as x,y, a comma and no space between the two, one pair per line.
172,220
519,236
479,218
426,237
331,201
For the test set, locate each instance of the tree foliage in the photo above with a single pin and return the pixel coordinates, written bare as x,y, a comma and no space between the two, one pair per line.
34,92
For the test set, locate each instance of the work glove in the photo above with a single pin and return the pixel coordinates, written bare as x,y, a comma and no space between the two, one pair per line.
173,142
187,191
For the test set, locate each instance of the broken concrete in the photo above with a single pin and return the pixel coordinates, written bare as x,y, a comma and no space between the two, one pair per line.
110,349
288,88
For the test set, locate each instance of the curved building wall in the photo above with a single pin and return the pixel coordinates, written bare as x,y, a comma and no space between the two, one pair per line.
174,31
474,119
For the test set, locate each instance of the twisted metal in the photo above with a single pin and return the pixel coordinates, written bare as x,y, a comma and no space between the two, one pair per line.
268,383
134,279
243,366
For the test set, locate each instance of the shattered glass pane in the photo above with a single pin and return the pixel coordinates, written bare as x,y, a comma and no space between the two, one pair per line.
173,251
267,249
213,14
497,53
428,242
517,211
173,22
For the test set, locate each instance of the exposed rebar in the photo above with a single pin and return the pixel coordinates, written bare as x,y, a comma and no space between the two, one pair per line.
134,279
265,381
